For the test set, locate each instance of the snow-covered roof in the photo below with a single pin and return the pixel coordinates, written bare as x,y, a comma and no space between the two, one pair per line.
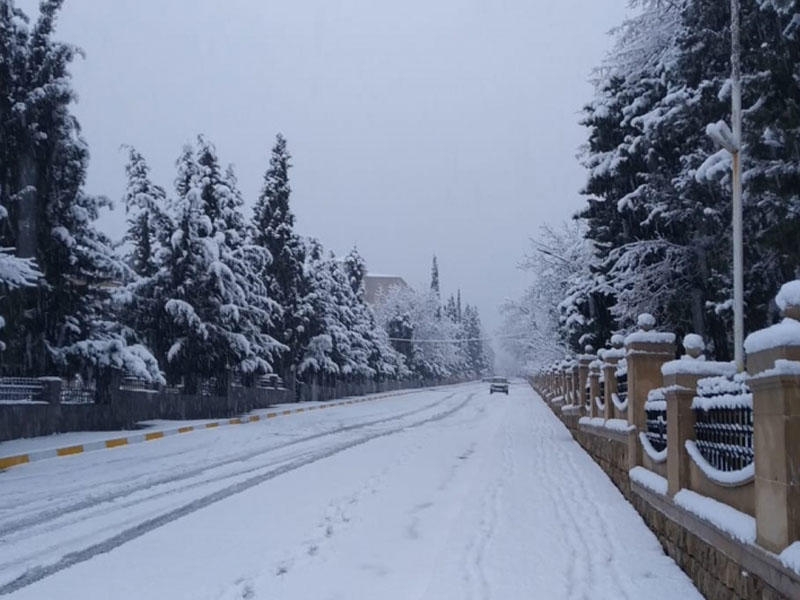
376,285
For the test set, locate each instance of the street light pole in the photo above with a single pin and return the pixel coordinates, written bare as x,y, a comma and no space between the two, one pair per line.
736,118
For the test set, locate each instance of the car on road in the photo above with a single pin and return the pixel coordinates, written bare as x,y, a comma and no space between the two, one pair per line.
498,384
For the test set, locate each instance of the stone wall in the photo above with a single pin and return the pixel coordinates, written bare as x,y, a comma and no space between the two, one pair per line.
720,567
128,408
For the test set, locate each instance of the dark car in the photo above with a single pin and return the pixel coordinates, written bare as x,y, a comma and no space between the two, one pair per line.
498,384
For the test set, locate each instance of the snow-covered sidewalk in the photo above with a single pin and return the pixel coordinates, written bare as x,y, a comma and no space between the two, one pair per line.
442,494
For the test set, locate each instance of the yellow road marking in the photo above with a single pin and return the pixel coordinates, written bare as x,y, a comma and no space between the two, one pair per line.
116,442
12,461
69,450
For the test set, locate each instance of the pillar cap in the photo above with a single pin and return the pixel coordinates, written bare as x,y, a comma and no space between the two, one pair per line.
788,300
785,333
694,345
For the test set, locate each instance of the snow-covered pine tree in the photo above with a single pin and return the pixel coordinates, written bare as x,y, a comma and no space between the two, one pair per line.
356,270
451,310
213,306
15,272
476,363
273,230
148,220
64,325
659,209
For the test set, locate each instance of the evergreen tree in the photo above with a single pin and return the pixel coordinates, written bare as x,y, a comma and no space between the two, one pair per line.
659,205
273,230
145,205
212,308
476,355
65,324
435,277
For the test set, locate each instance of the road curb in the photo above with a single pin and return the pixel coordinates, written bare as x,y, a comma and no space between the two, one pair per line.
6,462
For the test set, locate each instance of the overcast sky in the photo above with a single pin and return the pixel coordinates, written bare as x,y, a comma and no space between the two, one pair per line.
417,126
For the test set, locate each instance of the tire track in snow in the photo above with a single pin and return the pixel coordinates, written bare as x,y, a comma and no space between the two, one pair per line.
41,518
42,571
99,507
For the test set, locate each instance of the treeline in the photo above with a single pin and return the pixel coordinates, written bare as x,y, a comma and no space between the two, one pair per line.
196,289
658,212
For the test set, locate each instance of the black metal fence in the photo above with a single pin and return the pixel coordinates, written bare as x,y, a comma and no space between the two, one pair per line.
724,422
622,382
601,394
656,419
20,389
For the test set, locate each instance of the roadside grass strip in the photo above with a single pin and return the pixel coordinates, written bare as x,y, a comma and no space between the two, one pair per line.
6,462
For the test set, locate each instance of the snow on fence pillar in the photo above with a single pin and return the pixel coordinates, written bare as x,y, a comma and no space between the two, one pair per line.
646,351
680,385
611,357
773,360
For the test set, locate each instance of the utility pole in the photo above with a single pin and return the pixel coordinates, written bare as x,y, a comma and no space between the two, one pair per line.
736,118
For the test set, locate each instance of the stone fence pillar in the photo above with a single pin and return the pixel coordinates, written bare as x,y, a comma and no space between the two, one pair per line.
773,361
51,389
573,383
584,360
646,351
680,380
594,387
611,357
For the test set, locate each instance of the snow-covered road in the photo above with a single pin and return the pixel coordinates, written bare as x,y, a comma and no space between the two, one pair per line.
446,493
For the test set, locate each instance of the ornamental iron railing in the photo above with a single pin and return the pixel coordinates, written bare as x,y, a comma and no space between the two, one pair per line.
656,419
724,422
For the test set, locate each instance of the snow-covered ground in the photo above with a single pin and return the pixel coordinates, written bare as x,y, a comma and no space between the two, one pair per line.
447,493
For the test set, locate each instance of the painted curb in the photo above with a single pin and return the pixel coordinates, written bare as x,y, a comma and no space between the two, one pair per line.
6,462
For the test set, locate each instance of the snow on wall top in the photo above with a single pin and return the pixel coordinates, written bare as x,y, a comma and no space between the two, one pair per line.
650,337
782,367
614,353
697,366
785,333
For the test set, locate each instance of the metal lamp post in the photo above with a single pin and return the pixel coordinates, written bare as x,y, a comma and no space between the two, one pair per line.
736,117
732,142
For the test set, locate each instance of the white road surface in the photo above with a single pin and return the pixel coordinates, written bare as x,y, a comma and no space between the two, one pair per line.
448,493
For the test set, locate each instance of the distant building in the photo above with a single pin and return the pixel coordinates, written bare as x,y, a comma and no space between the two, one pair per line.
376,286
